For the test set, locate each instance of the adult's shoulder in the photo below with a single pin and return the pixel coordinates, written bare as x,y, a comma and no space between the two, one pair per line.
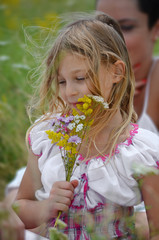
153,95
148,136
155,70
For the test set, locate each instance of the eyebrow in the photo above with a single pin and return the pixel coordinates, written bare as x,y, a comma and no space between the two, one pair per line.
127,20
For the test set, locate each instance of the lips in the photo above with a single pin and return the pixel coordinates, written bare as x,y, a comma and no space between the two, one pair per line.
75,103
136,66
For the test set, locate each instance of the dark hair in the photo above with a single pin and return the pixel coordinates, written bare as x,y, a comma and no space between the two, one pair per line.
151,8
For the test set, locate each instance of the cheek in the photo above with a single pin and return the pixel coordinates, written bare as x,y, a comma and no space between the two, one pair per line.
132,42
134,45
106,89
62,93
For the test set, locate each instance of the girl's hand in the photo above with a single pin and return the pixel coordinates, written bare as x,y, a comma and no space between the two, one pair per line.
60,198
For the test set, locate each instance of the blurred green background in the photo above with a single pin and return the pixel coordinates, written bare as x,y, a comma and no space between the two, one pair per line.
15,64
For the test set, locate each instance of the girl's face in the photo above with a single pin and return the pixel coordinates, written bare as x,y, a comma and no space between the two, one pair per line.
134,24
74,81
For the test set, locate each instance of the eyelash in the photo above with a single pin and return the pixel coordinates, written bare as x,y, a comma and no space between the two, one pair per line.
128,28
80,78
61,82
77,78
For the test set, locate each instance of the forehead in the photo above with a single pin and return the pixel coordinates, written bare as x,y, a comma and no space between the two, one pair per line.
119,9
73,62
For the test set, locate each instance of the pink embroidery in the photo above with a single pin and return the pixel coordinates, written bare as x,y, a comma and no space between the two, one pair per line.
157,163
86,188
86,238
118,232
29,139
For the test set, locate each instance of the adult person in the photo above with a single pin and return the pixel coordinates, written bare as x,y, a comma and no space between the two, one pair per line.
139,22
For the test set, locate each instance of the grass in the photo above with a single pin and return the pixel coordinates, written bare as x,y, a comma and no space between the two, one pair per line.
15,64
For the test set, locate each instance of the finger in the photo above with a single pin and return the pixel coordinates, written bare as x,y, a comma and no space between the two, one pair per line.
62,194
74,183
58,207
62,207
63,185
65,201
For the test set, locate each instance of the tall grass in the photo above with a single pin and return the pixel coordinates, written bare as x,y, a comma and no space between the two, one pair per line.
15,64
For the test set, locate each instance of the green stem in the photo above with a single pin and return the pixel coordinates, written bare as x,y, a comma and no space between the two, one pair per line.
55,225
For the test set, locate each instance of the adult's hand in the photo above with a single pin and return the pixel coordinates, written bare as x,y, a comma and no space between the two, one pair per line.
11,227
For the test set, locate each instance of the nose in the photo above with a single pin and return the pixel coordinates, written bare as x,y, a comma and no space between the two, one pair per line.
71,90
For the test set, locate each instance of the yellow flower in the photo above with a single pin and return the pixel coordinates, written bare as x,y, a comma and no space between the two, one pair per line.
85,99
66,136
74,151
55,137
62,143
85,106
74,112
89,111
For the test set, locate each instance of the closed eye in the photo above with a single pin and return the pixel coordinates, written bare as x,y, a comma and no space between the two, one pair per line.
61,81
80,78
127,28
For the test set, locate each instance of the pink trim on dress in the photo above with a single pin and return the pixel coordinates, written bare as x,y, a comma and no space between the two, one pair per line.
118,232
29,139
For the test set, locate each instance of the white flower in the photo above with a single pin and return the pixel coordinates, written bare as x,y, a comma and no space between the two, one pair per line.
82,117
4,58
71,126
105,105
98,99
20,66
79,127
77,121
76,117
4,43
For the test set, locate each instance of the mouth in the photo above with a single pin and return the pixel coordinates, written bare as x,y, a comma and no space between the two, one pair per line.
74,104
136,66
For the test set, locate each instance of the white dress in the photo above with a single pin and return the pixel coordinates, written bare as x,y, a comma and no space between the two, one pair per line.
15,183
101,182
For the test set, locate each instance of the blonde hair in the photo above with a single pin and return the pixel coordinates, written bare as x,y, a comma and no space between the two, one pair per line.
97,37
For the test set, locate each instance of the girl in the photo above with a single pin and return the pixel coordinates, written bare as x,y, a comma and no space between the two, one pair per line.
89,57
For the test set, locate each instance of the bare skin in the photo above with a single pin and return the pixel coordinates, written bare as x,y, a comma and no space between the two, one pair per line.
12,227
140,42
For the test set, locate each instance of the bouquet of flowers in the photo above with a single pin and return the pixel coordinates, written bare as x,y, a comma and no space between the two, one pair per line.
70,130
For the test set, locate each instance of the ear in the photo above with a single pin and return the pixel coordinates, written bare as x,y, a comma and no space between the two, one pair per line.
119,71
156,31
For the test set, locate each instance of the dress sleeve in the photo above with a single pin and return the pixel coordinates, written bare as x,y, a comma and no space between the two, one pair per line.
115,178
38,138
40,144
